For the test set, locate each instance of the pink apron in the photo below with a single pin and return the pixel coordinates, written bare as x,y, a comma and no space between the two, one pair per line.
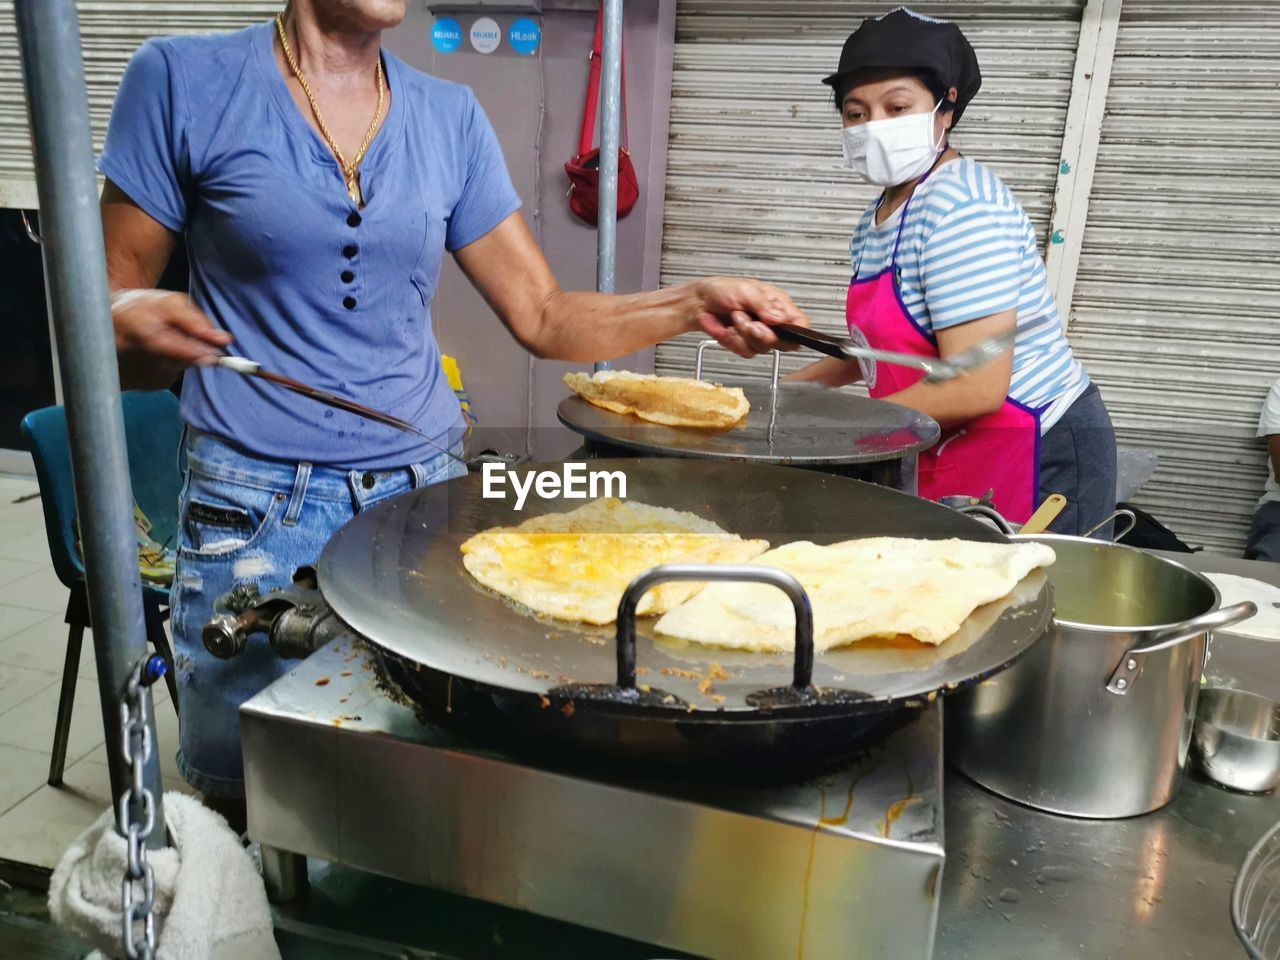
999,451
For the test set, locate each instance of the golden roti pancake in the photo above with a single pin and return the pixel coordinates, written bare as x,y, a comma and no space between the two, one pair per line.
860,589
576,565
672,401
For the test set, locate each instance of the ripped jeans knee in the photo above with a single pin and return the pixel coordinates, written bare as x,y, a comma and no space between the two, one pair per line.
231,533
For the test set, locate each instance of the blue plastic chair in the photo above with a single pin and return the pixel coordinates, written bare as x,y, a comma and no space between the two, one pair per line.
152,433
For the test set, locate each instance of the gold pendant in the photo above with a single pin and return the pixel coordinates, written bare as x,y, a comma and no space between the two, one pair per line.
353,191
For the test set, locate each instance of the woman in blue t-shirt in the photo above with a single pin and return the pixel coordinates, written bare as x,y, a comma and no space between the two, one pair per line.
317,182
945,259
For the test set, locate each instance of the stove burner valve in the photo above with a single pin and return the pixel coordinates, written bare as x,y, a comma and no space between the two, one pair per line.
295,619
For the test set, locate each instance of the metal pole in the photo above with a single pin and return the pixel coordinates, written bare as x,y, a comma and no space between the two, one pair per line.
610,112
76,272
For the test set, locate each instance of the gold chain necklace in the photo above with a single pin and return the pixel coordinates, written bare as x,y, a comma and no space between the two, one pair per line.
350,171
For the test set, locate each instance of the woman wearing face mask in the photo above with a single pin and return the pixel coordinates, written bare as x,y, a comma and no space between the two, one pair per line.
946,258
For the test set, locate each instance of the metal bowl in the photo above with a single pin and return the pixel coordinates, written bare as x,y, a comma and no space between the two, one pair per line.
1255,898
1236,742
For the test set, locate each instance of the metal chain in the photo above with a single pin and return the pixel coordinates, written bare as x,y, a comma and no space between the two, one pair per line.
350,171
136,811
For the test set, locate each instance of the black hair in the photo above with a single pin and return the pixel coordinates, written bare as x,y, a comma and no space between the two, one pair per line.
933,83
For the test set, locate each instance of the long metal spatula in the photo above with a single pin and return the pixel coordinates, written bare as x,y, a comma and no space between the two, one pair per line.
250,368
936,369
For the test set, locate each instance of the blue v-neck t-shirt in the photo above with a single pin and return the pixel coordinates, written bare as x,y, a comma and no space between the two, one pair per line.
206,138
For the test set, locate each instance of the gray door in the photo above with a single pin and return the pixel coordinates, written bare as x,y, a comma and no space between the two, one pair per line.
1177,302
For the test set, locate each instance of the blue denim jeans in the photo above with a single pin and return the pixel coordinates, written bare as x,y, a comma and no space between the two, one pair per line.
1264,534
246,520
1078,460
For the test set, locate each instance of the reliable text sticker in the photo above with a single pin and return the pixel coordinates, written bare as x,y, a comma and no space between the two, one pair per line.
446,35
486,35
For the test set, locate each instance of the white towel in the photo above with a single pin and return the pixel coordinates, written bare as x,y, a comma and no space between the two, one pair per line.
210,902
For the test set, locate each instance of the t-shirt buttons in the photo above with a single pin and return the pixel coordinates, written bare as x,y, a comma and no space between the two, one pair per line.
347,276
350,250
353,220
349,302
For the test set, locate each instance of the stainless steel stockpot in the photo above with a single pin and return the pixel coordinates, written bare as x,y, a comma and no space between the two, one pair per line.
1095,720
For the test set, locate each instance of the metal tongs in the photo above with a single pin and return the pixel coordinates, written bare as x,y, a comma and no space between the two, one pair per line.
936,369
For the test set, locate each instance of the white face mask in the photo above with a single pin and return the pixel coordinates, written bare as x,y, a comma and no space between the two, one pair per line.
893,151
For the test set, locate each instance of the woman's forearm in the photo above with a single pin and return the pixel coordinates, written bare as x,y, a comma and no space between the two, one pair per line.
951,402
586,326
978,393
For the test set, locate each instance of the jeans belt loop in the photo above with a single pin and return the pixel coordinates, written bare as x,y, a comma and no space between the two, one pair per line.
298,494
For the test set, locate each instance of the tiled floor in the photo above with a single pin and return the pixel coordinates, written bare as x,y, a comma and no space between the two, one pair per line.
38,821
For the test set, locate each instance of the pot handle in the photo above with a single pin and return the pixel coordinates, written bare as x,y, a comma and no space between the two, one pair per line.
802,676
979,509
1114,515
1130,665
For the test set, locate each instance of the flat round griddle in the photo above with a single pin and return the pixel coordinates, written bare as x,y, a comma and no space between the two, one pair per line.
395,575
814,426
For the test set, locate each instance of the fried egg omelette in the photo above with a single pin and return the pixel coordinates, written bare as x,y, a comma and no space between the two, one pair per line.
575,566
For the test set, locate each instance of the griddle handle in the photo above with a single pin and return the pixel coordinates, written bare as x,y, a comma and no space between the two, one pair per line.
741,573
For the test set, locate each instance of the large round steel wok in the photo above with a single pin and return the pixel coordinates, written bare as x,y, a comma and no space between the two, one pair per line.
475,661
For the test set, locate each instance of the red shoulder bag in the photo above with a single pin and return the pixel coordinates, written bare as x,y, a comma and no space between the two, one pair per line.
584,169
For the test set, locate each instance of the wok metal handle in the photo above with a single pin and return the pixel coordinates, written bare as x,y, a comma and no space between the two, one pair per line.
1114,515
1121,679
773,383
702,348
802,677
979,509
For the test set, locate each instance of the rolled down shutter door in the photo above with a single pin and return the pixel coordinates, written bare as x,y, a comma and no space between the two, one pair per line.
753,187
110,33
1177,302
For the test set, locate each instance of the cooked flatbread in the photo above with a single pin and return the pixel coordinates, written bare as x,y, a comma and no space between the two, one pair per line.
859,589
576,565
673,401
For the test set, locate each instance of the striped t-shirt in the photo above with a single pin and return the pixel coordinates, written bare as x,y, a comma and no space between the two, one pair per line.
969,250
